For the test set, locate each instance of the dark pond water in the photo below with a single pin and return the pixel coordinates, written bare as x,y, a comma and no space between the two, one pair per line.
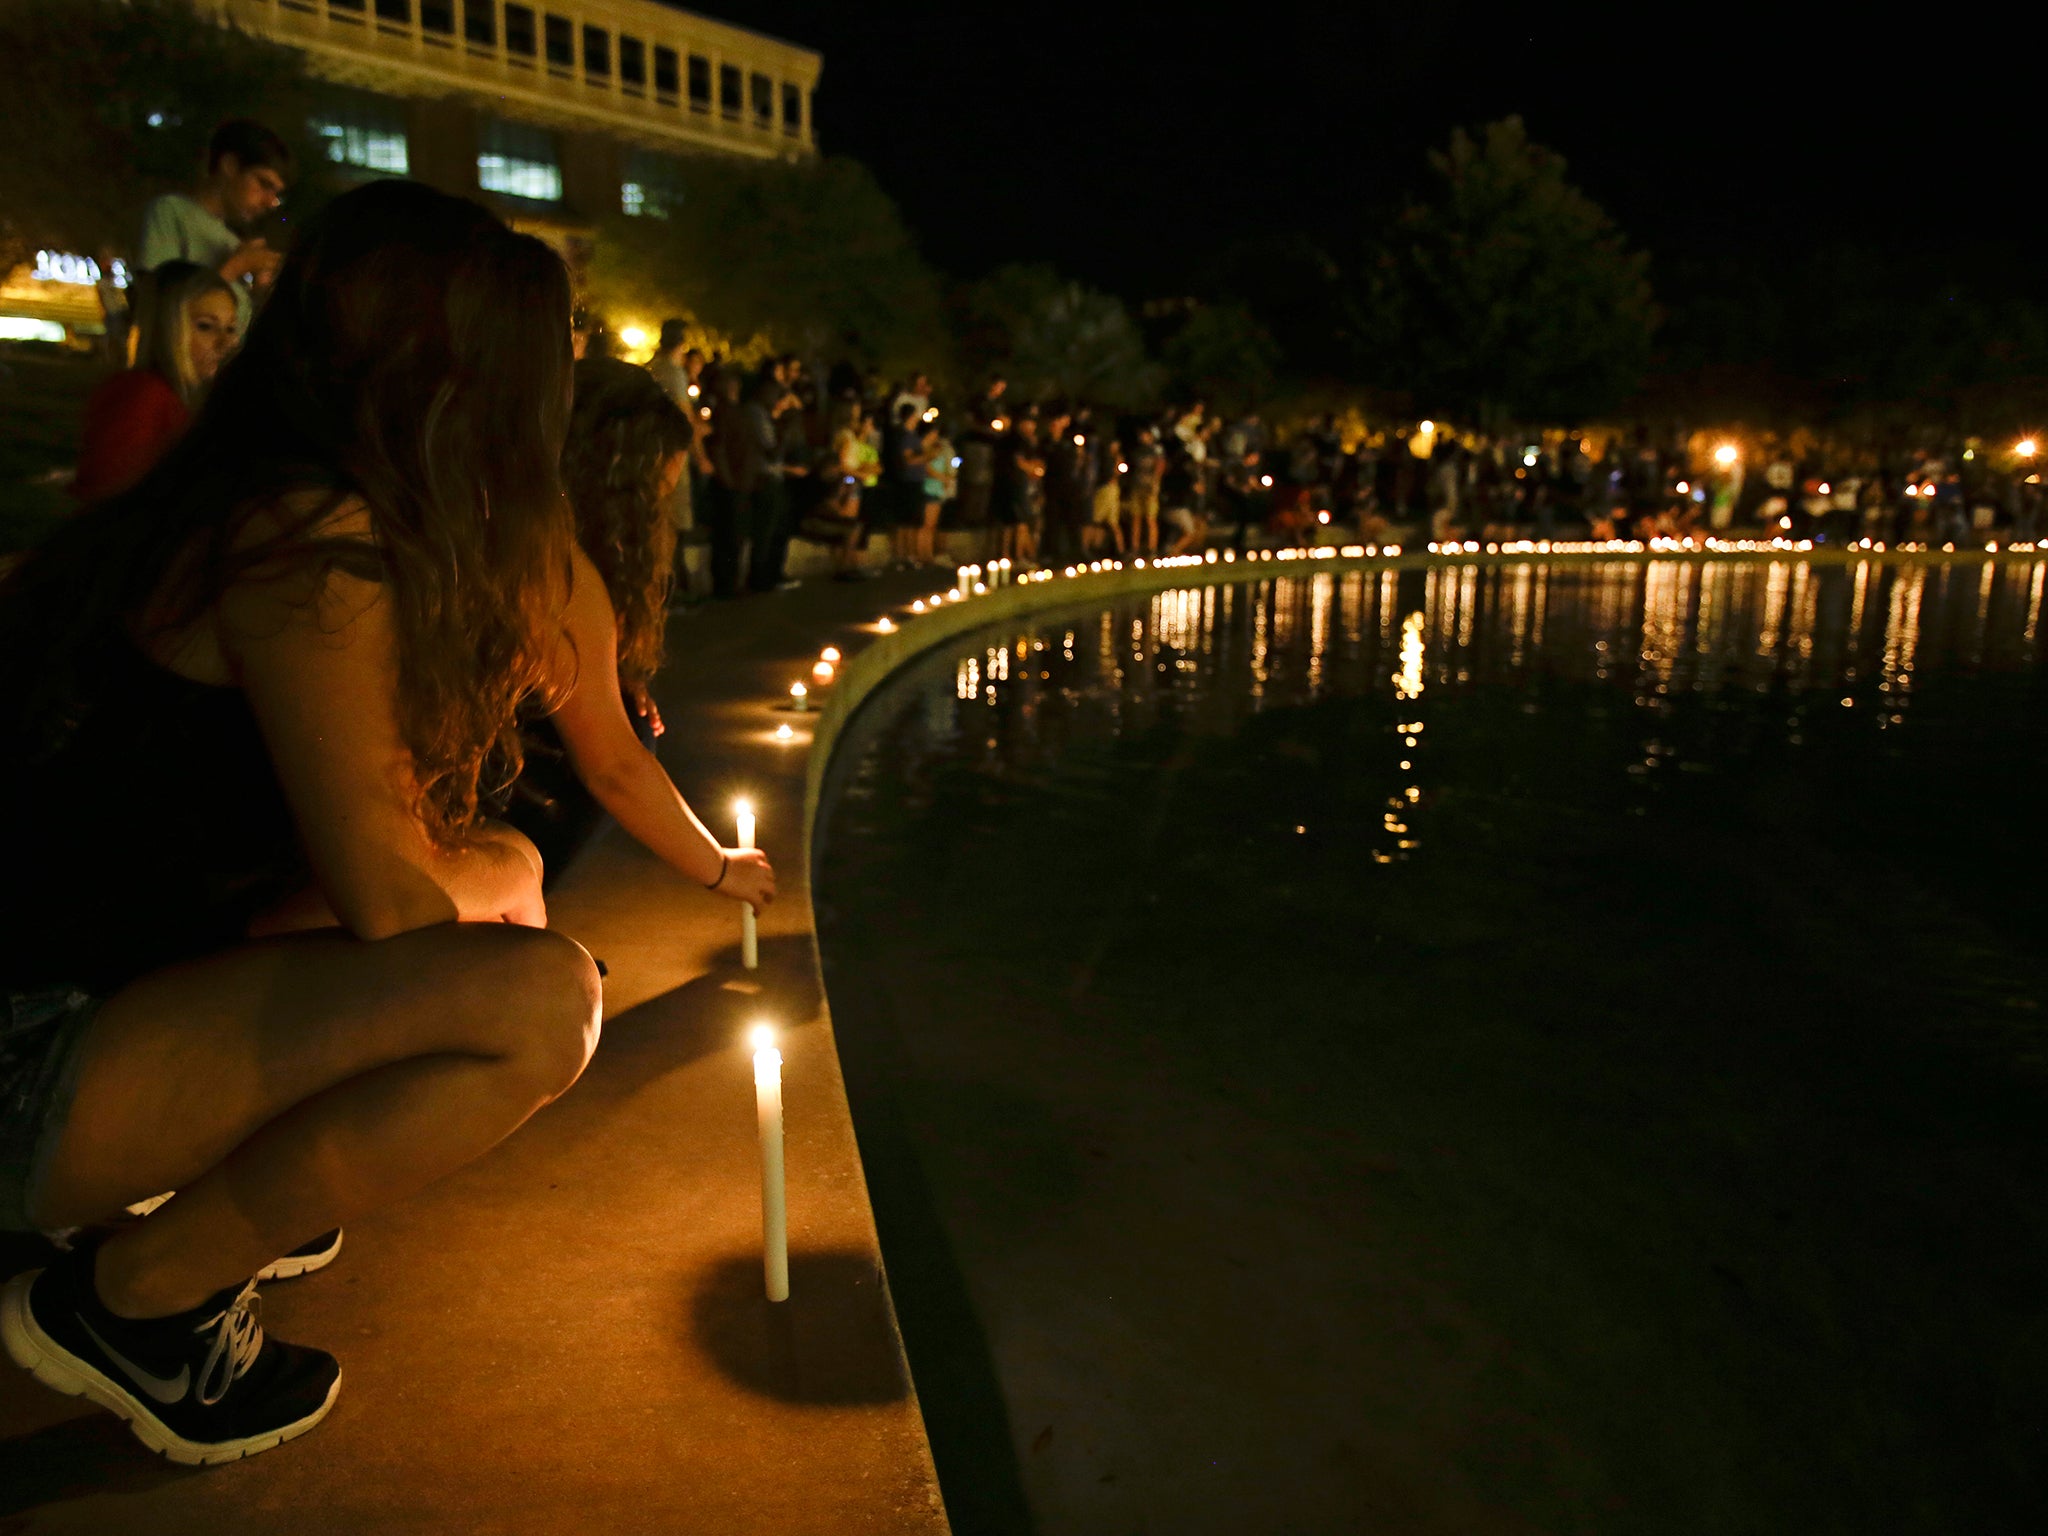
1521,1049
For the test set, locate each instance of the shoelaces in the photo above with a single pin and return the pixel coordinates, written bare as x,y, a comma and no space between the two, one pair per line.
237,1339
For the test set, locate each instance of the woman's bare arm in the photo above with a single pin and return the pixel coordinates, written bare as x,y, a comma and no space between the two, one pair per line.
320,671
621,774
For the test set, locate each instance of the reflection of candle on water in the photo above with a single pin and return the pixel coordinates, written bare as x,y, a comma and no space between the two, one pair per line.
774,1203
750,943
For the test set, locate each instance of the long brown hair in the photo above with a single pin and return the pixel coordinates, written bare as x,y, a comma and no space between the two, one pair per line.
624,429
414,356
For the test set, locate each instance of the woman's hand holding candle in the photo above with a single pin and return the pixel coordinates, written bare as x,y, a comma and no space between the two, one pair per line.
749,877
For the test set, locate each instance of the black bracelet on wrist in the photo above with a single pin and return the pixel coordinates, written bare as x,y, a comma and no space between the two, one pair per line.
724,864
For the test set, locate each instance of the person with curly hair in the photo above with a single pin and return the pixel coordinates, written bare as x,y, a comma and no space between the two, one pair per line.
628,443
257,944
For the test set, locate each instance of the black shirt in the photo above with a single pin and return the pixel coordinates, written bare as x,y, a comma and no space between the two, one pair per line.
153,832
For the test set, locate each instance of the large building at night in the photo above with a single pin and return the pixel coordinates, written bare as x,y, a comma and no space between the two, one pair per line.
556,112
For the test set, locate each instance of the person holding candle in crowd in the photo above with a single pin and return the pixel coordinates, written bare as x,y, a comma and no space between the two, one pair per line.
1020,469
184,329
628,443
257,945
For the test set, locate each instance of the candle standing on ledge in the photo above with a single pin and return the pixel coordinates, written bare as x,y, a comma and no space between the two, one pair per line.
774,1196
750,941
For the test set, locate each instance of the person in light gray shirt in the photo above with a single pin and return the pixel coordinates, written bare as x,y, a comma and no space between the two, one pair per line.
247,168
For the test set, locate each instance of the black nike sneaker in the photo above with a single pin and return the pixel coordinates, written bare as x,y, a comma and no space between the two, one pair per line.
317,1253
198,1387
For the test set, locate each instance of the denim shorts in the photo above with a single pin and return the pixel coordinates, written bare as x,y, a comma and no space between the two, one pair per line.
40,1035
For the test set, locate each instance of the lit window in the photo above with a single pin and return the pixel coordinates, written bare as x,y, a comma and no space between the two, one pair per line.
519,160
652,186
368,135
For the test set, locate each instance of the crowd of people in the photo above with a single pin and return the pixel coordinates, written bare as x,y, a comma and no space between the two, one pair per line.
845,458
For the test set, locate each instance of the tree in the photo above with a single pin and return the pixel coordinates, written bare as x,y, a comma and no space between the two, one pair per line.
1508,294
1223,355
811,257
1050,336
111,102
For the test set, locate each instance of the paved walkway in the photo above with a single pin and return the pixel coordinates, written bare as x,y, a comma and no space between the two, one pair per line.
570,1334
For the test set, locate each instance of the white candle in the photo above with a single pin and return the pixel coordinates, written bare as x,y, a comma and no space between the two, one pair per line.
774,1197
750,939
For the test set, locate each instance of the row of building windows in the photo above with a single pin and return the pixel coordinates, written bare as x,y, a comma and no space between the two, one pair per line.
514,159
528,36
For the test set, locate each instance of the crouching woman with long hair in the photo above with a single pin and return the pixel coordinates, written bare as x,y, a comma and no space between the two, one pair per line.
628,445
256,944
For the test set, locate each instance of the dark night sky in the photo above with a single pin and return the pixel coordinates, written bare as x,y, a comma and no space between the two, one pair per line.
1126,142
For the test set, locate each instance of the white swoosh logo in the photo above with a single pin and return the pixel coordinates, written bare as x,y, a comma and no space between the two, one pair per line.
165,1389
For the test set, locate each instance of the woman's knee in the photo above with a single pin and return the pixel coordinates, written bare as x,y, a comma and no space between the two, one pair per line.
553,1002
533,1000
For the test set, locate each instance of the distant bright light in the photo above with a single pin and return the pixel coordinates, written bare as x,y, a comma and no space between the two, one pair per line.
1824,489
784,733
21,328
1725,454
932,414
1266,481
1322,517
2025,447
633,337
1529,459
1428,427
1685,489
63,267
